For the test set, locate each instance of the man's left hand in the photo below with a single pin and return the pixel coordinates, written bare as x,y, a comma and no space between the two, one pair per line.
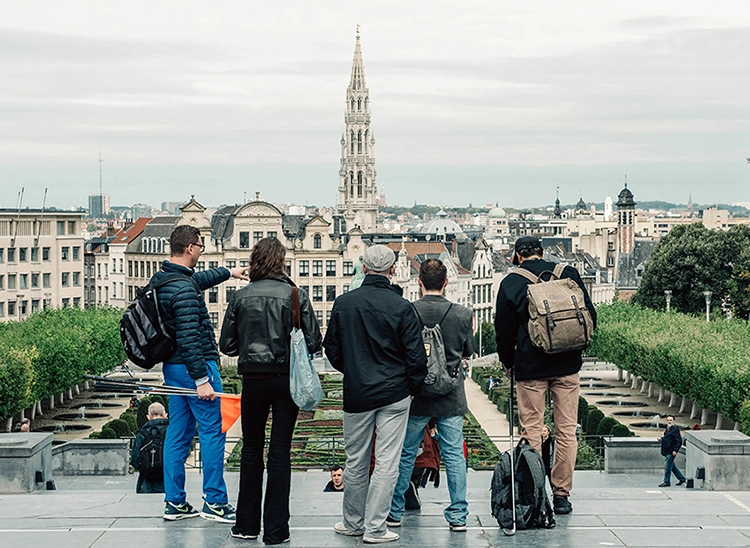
239,272
674,453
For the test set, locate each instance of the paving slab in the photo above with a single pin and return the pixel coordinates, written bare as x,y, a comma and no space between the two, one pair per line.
608,510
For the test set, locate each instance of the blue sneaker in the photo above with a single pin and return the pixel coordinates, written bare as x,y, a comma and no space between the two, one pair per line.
173,512
224,513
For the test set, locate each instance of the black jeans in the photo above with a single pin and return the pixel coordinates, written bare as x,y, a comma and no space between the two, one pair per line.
258,397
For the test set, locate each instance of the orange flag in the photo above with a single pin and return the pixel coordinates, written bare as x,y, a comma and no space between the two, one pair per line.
230,410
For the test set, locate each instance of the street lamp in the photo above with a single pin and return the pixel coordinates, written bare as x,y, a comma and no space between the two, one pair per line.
707,295
668,297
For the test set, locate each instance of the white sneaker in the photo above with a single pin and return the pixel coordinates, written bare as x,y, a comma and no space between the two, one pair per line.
389,536
341,529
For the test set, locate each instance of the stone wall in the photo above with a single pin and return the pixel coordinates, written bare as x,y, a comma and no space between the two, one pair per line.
91,458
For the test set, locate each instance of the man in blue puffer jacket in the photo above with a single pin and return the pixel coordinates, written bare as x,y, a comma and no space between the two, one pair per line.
193,365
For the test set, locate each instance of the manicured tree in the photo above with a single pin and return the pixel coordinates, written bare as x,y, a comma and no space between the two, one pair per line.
142,415
121,428
583,412
130,418
108,434
592,422
605,426
620,431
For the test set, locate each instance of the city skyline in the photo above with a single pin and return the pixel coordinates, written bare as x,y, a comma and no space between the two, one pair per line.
474,104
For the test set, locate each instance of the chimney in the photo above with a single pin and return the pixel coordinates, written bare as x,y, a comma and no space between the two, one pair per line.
110,227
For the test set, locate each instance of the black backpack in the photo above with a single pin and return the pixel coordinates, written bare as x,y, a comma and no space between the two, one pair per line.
532,505
144,336
151,453
439,380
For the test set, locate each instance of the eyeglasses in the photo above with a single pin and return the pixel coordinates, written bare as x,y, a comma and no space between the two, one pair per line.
201,246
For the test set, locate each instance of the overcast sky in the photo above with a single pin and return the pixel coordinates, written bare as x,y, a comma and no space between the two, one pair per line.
473,101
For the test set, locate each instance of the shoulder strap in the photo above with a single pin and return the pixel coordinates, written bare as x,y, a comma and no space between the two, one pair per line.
526,274
296,320
173,277
441,319
557,272
446,313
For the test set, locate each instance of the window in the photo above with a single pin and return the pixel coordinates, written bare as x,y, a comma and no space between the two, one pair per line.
114,286
230,292
257,236
34,255
76,278
201,265
317,294
345,289
66,302
330,293
23,281
2,281
11,281
348,268
65,279
77,302
11,308
143,269
213,264
317,244
317,268
328,316
319,316
71,227
130,292
304,268
271,234
77,256
231,264
11,254
330,268
214,319
288,268
2,255
213,295
35,280
45,253
148,269
46,280
2,310
60,228
244,240
121,261
130,268
122,290
244,264
22,254
24,308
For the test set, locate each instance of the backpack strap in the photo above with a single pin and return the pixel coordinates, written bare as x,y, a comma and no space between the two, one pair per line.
558,271
441,319
173,277
526,274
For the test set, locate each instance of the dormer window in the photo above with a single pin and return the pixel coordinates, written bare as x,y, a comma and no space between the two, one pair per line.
317,242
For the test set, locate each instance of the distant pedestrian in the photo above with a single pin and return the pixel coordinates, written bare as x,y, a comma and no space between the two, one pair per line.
548,450
25,425
375,340
147,456
671,441
257,329
337,480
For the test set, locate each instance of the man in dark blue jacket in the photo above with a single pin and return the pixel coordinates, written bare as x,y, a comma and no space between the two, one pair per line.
671,442
193,365
375,340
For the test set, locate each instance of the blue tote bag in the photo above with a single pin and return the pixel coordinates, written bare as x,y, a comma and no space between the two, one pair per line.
304,383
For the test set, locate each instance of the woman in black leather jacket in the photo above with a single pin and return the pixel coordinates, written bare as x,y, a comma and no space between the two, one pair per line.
257,329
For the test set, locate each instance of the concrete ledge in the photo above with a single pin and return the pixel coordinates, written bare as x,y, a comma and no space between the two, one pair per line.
91,458
724,456
636,456
22,455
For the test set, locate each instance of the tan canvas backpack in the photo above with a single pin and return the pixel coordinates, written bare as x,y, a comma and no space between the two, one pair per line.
558,318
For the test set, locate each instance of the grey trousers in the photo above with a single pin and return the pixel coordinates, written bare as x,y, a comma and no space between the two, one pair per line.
367,501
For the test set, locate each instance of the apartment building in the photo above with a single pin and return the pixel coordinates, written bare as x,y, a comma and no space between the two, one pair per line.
41,261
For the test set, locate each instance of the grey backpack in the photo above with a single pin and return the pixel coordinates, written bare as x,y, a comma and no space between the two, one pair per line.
439,381
558,318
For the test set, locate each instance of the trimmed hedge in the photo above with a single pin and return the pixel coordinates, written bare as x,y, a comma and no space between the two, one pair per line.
592,422
707,362
51,350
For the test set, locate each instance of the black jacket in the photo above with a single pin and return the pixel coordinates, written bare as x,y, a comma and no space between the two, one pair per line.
154,484
185,314
258,324
458,338
671,440
514,346
375,340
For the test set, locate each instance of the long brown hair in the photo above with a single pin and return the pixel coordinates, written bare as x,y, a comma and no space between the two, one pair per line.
267,260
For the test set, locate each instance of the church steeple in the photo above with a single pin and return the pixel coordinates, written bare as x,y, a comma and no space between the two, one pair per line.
357,191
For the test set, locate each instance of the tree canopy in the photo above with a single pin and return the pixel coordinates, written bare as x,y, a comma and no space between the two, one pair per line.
692,259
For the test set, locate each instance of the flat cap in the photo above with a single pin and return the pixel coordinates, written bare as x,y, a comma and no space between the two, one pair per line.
378,258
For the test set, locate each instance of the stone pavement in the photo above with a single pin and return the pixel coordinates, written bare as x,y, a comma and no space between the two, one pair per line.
609,510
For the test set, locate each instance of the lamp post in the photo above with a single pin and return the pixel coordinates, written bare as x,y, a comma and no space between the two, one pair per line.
668,297
707,295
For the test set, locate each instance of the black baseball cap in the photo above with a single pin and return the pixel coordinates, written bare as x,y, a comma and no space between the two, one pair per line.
525,242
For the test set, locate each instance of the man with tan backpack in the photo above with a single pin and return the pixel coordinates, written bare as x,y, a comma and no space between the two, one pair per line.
544,319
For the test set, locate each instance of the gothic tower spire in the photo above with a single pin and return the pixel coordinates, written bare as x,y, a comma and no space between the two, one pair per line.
357,191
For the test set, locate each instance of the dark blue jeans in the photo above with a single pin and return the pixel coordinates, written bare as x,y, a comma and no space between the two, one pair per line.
259,396
669,467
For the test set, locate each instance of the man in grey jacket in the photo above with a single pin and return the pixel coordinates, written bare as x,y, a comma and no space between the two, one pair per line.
448,410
